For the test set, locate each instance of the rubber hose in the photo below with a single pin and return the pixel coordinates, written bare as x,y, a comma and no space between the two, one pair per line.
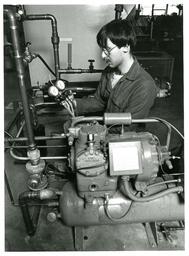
151,197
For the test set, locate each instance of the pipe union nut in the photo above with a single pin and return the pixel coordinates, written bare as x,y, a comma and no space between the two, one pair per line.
34,155
35,169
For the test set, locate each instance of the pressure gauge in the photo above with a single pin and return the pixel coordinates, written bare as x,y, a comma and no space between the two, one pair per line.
60,85
53,91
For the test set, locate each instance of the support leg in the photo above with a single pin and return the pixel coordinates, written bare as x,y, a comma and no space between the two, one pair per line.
151,232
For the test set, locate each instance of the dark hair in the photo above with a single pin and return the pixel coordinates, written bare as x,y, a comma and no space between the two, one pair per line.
119,32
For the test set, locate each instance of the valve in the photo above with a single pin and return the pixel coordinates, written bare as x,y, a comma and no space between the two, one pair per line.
91,66
28,56
20,10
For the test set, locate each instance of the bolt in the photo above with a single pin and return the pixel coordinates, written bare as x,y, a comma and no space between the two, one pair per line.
51,217
106,183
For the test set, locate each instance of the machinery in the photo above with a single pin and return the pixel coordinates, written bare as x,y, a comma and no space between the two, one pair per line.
111,178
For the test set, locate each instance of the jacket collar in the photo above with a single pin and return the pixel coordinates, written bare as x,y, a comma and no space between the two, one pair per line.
133,71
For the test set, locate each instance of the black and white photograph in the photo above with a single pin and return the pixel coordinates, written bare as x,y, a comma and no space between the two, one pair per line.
94,127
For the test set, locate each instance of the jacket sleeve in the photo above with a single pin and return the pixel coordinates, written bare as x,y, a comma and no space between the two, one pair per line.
94,103
142,99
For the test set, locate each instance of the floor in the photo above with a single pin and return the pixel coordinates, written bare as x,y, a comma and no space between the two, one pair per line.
54,236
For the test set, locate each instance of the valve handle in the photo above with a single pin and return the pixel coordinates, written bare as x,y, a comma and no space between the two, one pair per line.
28,44
91,66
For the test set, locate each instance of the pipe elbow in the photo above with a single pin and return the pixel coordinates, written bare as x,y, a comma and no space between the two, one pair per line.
52,18
11,16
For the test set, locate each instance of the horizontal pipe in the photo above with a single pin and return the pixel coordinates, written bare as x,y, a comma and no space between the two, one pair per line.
163,182
22,158
86,119
78,71
45,104
37,138
44,146
99,118
145,120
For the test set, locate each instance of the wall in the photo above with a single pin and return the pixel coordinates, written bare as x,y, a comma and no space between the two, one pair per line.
79,23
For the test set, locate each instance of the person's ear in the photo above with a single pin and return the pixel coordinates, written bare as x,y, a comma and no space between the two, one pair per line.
126,48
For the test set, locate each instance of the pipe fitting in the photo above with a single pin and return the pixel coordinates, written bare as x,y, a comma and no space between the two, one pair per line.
46,194
37,182
55,39
117,118
34,156
125,178
27,196
35,168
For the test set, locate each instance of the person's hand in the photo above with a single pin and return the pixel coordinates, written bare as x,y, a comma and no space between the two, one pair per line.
67,125
69,102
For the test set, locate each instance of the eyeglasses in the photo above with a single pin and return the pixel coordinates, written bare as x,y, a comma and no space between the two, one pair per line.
108,51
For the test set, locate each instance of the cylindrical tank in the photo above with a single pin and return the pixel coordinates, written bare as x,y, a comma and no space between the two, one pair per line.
75,212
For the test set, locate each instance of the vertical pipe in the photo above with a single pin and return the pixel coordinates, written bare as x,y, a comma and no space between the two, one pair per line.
55,42
69,56
151,28
153,5
24,198
27,219
20,68
166,10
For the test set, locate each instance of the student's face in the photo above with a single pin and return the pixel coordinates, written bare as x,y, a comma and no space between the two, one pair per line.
112,55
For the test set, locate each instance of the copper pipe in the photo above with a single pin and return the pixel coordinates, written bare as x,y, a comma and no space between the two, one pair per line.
78,71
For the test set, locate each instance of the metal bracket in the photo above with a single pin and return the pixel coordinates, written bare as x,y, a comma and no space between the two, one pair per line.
78,238
151,231
166,230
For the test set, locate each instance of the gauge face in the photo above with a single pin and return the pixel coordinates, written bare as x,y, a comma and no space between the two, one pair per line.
53,91
60,85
